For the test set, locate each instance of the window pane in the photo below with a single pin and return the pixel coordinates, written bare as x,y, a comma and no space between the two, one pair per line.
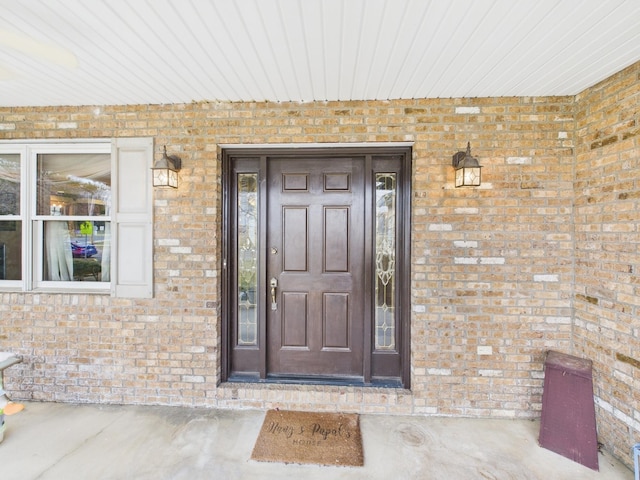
74,184
9,184
10,250
385,336
247,261
77,251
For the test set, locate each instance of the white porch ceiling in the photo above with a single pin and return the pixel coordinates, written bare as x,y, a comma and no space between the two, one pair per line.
105,52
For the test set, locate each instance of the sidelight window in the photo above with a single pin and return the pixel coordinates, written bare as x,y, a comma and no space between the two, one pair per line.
385,261
247,261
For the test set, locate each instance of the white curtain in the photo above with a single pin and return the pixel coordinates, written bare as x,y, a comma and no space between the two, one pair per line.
58,251
106,253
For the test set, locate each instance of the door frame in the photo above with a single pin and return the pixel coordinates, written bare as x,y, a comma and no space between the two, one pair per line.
260,155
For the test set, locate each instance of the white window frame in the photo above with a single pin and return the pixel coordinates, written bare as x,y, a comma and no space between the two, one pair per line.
130,216
37,222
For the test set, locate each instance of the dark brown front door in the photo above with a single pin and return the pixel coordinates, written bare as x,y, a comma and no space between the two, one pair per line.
315,267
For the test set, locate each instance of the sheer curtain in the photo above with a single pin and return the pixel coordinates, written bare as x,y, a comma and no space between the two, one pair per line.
58,251
106,253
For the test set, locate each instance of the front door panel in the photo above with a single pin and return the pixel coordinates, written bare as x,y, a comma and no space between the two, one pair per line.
315,241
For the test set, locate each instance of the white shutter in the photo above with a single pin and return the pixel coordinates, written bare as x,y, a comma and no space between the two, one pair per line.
132,218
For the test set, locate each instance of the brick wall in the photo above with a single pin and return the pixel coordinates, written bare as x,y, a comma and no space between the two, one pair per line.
491,267
607,222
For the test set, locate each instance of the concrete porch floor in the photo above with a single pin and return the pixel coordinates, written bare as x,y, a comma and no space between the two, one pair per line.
61,441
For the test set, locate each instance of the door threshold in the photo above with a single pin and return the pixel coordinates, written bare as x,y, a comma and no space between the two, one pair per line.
315,380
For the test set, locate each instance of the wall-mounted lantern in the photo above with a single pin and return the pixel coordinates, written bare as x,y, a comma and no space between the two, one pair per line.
467,169
165,170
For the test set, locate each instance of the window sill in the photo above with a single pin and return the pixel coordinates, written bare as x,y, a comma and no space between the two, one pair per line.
72,291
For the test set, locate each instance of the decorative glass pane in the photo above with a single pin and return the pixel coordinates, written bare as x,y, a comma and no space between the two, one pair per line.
74,184
468,177
10,250
77,251
385,271
247,261
9,184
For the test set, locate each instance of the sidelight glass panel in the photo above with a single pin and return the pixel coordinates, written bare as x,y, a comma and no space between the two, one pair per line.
247,258
385,257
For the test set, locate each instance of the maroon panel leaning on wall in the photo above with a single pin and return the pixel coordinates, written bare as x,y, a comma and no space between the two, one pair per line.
568,423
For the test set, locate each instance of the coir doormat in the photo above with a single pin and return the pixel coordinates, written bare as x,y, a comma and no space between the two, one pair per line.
306,437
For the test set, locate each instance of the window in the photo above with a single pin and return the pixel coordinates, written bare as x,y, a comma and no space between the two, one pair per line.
72,223
10,219
62,213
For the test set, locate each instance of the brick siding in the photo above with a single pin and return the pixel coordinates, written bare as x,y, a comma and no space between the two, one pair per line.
544,255
607,254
